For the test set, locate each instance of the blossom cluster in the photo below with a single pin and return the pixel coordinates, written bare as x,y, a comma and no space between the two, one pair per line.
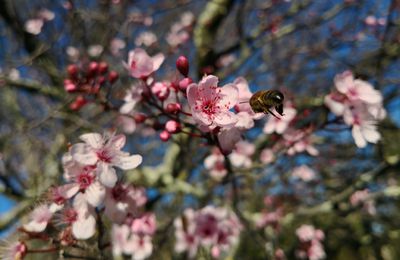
310,243
92,187
215,229
359,104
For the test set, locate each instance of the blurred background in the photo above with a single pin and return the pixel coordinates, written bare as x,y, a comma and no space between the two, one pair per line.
296,46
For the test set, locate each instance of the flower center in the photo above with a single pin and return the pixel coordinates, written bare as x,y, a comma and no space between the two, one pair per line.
70,216
104,156
85,180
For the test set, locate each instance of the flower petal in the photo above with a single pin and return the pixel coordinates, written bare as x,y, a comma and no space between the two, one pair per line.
95,140
95,194
127,162
83,154
107,175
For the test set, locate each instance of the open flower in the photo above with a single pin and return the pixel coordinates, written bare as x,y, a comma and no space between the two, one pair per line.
210,104
141,65
104,152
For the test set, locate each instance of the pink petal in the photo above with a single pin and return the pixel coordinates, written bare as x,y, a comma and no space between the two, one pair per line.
67,191
343,81
358,137
370,133
85,226
127,162
83,154
95,194
118,141
192,95
225,119
229,94
367,92
107,174
158,59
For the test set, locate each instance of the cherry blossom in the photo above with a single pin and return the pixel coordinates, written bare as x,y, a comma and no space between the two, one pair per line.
279,125
267,156
299,141
241,155
39,219
146,39
13,250
132,97
34,26
215,164
144,225
141,65
304,173
123,199
210,104
311,246
214,227
104,152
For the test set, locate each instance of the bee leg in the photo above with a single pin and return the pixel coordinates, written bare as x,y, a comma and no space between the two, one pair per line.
269,111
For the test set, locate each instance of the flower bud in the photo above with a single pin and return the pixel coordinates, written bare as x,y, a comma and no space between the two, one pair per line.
72,71
139,117
113,76
93,69
101,80
69,86
172,127
182,64
164,136
103,67
160,90
173,108
79,102
184,83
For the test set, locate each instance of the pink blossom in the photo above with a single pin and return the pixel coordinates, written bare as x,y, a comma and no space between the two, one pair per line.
279,125
179,31
132,97
307,233
144,225
123,199
299,141
215,164
119,236
267,156
172,126
84,222
39,218
228,138
140,247
241,155
13,250
210,104
95,50
34,26
46,14
213,227
364,128
356,89
160,90
359,197
104,152
270,218
141,65
304,173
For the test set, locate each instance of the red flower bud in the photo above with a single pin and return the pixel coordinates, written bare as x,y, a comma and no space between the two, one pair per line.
93,68
182,64
72,71
173,127
69,86
139,117
79,102
184,83
164,136
173,108
103,67
113,76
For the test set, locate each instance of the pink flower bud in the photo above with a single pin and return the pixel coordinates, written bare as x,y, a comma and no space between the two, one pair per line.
173,108
103,67
184,83
182,64
72,71
161,90
164,136
93,69
113,76
139,118
79,102
172,127
69,86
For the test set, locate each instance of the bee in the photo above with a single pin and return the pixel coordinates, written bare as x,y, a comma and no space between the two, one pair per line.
263,101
